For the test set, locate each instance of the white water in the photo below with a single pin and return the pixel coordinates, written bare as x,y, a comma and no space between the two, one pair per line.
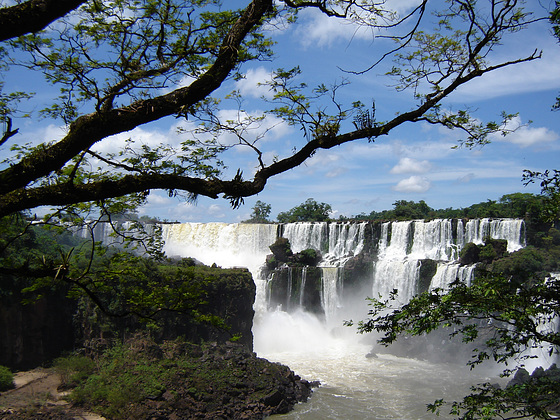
511,229
353,386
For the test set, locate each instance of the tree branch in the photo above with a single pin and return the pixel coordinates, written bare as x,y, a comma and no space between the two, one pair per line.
33,16
89,129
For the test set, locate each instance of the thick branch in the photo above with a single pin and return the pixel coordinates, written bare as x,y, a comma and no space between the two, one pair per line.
62,194
32,16
89,129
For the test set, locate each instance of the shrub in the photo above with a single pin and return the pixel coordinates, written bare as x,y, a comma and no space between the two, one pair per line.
6,379
74,369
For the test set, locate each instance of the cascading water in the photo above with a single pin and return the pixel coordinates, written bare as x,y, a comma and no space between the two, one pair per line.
227,245
510,229
317,346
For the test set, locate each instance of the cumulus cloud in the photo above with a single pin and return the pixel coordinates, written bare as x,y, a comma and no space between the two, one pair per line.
408,165
317,29
527,136
413,184
252,83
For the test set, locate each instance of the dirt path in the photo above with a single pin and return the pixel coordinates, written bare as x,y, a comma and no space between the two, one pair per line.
38,388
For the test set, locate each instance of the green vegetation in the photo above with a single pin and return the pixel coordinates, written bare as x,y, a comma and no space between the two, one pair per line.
132,379
310,211
73,369
260,214
6,379
517,205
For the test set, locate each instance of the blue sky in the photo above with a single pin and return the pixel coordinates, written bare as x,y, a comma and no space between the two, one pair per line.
414,162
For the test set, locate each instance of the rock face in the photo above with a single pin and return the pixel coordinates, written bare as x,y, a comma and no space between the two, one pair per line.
230,294
34,334
37,332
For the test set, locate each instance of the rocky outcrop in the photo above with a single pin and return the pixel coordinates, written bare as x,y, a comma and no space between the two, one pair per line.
248,387
177,380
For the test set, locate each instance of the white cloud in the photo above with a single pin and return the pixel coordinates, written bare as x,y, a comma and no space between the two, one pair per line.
465,179
216,211
533,76
317,29
158,200
140,135
252,83
413,184
408,165
527,136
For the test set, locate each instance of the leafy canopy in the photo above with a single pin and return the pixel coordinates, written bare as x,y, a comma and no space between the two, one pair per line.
119,64
310,211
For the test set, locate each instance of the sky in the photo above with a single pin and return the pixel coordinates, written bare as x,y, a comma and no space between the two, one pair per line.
415,162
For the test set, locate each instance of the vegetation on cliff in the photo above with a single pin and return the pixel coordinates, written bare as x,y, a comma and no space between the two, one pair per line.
142,379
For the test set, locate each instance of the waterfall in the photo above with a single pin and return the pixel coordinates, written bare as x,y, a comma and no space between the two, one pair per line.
398,254
302,287
434,240
403,246
306,235
447,273
331,290
345,240
289,289
510,229
227,245
399,275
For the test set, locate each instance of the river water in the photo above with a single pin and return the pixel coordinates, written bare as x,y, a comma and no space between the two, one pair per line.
352,385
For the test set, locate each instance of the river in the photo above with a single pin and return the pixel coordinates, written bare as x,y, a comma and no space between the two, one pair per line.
352,385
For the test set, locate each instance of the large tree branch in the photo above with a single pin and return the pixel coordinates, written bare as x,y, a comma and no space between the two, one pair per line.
33,16
89,129
68,193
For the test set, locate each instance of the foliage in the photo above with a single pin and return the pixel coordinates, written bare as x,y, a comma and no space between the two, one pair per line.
550,189
310,211
516,205
119,65
261,213
6,379
73,369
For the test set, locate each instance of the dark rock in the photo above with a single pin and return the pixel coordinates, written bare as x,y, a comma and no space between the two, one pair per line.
281,250
521,377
